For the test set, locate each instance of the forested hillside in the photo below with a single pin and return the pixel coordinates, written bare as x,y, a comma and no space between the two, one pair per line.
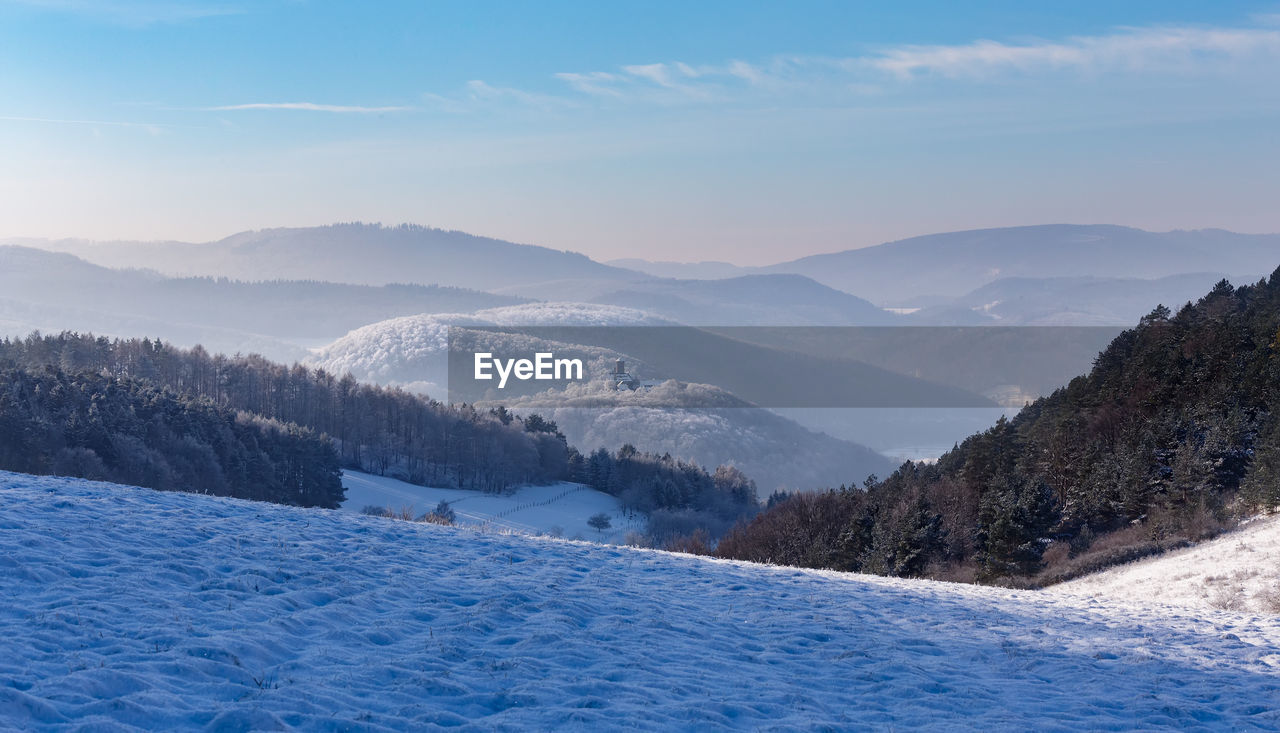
1171,437
379,430
117,429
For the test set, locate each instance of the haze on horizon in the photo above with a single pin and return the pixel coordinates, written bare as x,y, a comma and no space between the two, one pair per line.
750,133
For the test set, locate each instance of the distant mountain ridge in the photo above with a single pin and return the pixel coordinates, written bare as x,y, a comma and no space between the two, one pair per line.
371,255
951,264
955,263
55,291
920,271
361,254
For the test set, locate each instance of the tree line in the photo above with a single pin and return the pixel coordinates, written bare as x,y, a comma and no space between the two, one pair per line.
379,430
678,497
116,429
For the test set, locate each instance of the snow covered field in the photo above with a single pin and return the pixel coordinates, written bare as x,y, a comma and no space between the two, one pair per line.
1239,571
126,607
557,509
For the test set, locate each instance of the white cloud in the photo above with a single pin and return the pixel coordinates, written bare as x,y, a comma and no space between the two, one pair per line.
688,70
1141,49
656,73
308,107
594,82
747,72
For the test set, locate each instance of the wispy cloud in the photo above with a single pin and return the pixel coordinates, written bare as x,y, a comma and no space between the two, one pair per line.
480,96
657,73
656,82
149,127
1164,49
1139,49
481,91
592,82
307,107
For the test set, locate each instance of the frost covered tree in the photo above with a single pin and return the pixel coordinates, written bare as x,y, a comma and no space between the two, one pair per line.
600,522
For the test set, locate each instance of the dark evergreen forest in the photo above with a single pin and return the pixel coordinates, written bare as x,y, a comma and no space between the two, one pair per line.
374,429
112,429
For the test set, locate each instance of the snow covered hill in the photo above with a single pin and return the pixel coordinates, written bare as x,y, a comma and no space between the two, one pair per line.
128,608
558,510
1239,571
412,351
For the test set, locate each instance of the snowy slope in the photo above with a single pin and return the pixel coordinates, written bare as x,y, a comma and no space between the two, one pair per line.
1239,571
169,611
557,509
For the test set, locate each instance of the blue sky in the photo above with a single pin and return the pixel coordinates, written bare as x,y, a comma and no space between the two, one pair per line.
749,132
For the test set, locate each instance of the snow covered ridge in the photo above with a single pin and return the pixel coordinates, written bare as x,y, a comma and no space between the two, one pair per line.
412,350
1238,571
130,608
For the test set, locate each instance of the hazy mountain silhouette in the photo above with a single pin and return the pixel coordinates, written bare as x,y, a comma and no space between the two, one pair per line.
49,290
956,263
920,271
363,254
1081,301
952,264
375,255
775,300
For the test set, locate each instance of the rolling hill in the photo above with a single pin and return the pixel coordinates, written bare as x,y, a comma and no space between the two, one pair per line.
57,291
776,452
410,350
1067,301
131,608
413,351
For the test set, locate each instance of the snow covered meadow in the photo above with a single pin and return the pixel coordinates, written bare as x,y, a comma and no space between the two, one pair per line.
129,608
559,510
1239,571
